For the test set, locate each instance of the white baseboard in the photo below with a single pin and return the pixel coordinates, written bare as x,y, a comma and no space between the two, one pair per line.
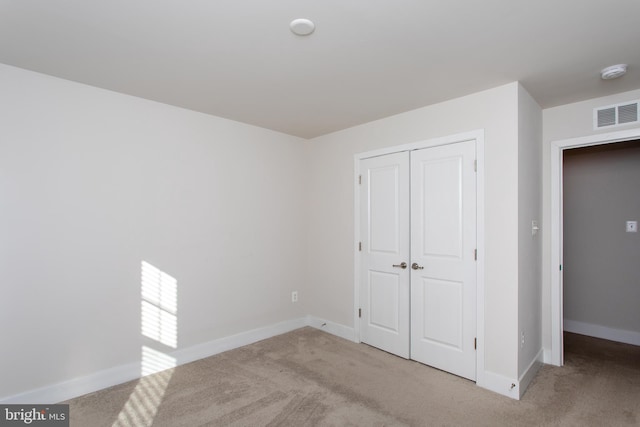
611,334
65,390
530,373
200,351
500,384
109,377
333,328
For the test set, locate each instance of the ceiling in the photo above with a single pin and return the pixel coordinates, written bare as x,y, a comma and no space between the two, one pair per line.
367,59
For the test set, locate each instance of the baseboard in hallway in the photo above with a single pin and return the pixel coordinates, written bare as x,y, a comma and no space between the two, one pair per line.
604,332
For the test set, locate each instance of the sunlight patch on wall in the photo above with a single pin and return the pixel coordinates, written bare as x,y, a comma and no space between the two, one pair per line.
159,329
159,305
155,361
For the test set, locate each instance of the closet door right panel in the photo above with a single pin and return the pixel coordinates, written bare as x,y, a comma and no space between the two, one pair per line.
443,245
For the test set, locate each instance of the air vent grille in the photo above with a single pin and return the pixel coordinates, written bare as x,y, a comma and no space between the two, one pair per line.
628,113
615,115
606,117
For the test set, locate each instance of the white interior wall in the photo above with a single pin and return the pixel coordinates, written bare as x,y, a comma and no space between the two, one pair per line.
96,182
559,123
331,202
92,183
529,246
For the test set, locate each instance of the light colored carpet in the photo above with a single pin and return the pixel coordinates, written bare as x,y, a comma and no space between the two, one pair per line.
307,377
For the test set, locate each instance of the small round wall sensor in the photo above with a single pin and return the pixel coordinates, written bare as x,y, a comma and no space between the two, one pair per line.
613,72
302,27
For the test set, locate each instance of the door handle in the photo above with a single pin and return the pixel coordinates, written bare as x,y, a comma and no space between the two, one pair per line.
402,265
415,266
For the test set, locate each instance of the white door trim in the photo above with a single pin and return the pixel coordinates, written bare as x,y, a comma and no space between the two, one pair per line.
557,147
478,136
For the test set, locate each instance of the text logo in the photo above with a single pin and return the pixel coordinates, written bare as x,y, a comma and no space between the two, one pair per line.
34,415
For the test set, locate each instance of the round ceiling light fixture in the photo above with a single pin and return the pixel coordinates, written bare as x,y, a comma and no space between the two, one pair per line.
613,72
302,27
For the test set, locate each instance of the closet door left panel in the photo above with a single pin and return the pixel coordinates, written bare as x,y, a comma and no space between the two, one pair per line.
384,292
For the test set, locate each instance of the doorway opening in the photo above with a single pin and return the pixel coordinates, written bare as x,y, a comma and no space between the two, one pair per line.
557,244
600,256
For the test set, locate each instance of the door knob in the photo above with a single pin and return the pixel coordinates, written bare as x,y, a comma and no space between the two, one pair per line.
415,266
402,265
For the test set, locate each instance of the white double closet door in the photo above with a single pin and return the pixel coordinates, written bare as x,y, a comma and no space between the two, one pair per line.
418,259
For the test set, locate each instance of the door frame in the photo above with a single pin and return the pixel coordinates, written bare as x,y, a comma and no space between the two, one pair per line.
478,137
556,260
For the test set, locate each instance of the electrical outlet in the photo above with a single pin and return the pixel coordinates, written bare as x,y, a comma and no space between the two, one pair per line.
522,340
632,226
294,296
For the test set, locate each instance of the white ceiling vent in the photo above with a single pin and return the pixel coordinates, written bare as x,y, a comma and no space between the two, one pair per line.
616,115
